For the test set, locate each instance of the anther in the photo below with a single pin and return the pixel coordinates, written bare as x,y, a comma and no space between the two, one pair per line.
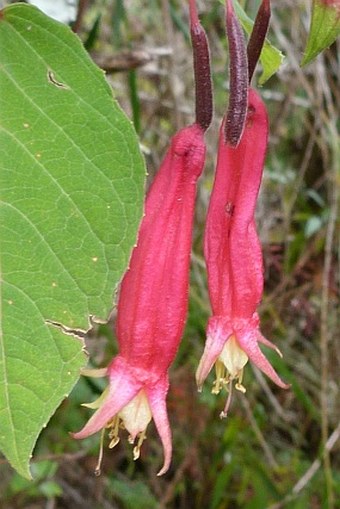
137,448
113,434
241,388
114,442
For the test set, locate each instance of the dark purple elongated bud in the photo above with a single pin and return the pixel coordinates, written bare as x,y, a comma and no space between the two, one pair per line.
203,86
238,72
258,36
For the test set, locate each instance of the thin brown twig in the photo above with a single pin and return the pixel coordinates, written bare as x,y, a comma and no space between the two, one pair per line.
82,6
170,490
259,435
285,416
170,34
281,289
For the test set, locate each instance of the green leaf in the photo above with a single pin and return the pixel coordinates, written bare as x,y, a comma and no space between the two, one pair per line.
72,180
133,494
271,58
325,28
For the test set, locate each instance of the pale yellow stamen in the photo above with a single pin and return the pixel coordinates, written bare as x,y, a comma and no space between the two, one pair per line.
136,449
134,417
97,470
113,434
224,412
221,378
229,367
114,442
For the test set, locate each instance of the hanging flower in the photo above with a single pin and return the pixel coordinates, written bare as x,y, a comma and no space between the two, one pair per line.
153,297
234,259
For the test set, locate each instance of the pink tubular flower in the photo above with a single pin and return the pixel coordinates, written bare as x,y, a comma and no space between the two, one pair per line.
234,259
153,297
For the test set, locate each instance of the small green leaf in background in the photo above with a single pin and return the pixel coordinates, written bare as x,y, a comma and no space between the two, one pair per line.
325,28
72,181
132,494
271,58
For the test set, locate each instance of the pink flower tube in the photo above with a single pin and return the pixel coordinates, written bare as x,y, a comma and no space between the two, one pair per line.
153,297
234,259
153,301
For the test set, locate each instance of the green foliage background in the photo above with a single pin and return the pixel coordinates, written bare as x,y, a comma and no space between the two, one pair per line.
72,189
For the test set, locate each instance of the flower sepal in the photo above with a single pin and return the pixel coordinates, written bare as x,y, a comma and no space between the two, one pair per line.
230,344
132,398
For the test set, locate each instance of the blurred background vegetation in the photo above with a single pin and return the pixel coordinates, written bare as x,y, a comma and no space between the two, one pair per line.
277,449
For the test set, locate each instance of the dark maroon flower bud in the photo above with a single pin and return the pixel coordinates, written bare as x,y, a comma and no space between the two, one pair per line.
258,36
203,86
238,72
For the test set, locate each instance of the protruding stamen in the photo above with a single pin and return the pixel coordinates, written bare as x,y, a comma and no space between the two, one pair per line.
97,470
221,379
238,68
136,449
113,434
224,412
225,379
202,73
114,442
238,384
241,388
258,36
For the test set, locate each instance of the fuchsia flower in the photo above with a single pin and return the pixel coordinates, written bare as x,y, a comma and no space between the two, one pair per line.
231,247
234,260
153,297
